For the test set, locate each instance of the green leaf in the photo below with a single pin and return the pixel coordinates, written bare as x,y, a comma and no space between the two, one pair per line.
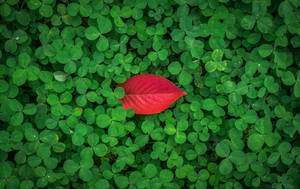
103,120
272,139
284,147
116,129
217,28
100,150
119,114
229,86
126,12
5,10
10,46
297,89
259,8
4,86
24,59
65,97
222,149
287,159
253,38
52,99
265,50
248,22
147,126
177,34
20,36
273,158
225,167
46,11
40,171
77,139
295,41
17,119
43,151
34,161
19,77
150,170
216,42
185,23
119,92
209,104
166,175
31,134
85,10
263,126
104,24
91,33
23,17
211,66
180,137
152,56
156,43
34,4
20,157
70,68
218,112
51,163
170,129
16,136
174,68
203,174
288,78
235,99
102,44
163,54
71,167
73,9
26,184
203,30
157,134
81,129
250,116
279,111
265,24
121,181
197,49
255,142
283,59
185,78
182,125
102,183
239,158
217,55
59,147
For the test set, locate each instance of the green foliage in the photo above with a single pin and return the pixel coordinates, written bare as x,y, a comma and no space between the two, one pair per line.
62,125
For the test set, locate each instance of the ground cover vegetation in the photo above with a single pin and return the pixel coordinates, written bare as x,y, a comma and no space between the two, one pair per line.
62,125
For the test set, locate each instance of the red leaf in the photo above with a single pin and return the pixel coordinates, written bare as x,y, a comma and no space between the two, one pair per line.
149,94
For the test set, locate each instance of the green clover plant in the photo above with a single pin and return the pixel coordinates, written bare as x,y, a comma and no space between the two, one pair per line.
62,124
